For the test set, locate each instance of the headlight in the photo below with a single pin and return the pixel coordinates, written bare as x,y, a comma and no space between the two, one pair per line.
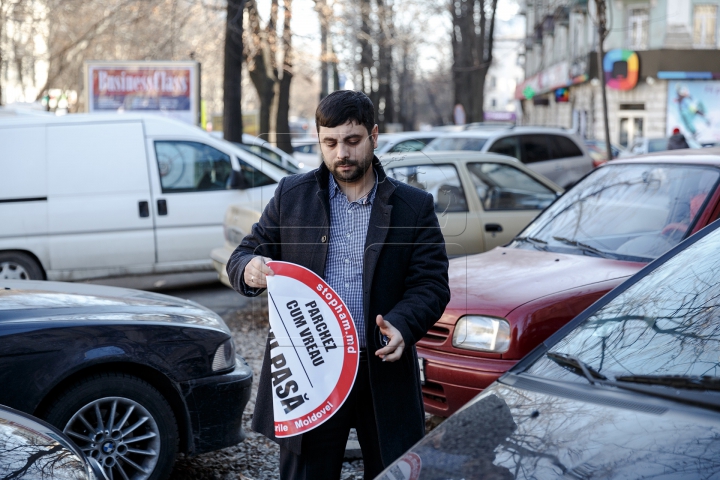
487,334
224,357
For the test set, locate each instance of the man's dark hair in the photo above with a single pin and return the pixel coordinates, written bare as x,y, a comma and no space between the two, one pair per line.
343,105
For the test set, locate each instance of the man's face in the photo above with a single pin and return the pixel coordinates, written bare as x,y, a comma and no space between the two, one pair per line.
347,150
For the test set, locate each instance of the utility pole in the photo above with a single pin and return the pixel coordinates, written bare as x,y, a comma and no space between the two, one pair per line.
602,33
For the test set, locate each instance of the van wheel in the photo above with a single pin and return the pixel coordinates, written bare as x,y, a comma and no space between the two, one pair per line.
19,266
122,422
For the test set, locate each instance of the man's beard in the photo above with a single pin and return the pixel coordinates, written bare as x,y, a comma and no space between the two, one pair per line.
360,167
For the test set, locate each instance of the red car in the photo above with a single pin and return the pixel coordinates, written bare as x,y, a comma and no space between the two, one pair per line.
506,301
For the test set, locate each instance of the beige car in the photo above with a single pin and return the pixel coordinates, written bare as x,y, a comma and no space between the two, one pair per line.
482,200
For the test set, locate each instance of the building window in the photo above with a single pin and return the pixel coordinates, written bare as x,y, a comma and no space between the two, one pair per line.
704,25
493,103
638,20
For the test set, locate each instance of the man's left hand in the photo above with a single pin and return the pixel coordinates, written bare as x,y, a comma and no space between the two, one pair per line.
394,349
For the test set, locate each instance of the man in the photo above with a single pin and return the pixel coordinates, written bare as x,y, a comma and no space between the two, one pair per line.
377,243
677,140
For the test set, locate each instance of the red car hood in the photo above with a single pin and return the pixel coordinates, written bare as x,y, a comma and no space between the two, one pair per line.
496,282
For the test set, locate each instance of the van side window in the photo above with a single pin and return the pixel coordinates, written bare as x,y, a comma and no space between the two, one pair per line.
191,167
509,146
253,176
563,147
537,148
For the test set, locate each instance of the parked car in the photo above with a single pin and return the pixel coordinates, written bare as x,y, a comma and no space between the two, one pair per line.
596,150
642,145
98,195
552,152
132,377
307,151
628,389
268,152
607,227
481,200
32,449
404,141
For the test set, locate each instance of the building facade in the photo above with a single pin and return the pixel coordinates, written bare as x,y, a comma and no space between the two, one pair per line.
661,68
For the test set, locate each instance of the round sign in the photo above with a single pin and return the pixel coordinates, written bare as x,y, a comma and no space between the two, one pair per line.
314,349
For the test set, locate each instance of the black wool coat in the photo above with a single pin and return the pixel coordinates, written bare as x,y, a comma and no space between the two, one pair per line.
405,279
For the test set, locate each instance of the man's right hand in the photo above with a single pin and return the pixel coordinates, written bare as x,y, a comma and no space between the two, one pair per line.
256,272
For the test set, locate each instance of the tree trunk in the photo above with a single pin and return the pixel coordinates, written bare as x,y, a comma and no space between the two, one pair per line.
232,75
283,97
472,43
385,106
263,71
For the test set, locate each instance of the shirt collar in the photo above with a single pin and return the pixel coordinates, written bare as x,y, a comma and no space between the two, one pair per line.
335,189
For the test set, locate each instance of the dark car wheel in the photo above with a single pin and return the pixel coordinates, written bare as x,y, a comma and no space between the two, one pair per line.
121,421
19,266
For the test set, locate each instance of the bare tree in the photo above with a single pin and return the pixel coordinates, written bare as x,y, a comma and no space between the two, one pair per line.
283,94
473,24
232,73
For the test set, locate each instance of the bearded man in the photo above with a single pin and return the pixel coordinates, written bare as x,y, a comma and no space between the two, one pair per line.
376,241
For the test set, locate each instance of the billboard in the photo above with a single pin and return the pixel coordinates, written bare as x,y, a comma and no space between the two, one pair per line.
171,89
694,108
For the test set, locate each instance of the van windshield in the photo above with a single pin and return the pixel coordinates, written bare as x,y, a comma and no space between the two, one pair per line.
629,212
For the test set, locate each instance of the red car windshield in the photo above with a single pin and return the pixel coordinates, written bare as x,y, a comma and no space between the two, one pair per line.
629,212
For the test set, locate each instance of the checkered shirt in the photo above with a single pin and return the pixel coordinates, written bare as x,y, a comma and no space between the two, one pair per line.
344,266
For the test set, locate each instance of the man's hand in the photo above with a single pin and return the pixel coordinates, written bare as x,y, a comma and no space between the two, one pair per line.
394,349
256,272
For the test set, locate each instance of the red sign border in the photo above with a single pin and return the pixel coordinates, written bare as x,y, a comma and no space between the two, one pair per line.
349,369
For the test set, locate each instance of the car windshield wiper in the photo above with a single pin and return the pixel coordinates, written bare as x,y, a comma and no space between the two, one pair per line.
690,382
576,366
584,247
536,242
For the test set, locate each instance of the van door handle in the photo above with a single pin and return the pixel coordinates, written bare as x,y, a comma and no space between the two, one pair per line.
493,227
162,206
144,209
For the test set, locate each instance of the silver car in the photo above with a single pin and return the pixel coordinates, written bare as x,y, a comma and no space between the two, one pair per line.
553,152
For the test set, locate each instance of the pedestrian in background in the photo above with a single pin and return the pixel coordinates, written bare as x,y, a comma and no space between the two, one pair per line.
677,140
377,243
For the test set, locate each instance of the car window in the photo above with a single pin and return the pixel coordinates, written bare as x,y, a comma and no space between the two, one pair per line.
270,156
657,145
509,146
380,144
453,144
665,324
307,148
502,187
191,167
563,147
253,177
414,145
536,147
440,180
634,212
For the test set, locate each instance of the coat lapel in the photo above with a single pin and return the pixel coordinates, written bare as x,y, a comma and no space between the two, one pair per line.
322,219
377,230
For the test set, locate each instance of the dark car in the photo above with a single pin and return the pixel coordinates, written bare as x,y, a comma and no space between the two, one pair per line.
132,377
629,389
31,449
600,232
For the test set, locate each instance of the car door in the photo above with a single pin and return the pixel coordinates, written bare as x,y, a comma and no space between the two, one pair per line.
99,216
510,199
574,163
460,226
191,191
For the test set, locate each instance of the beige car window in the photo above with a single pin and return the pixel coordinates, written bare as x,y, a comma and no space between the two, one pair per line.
440,180
502,187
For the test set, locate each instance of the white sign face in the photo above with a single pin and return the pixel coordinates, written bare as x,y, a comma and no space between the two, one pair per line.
313,349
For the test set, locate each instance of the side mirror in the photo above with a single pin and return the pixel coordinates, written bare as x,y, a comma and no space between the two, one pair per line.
238,181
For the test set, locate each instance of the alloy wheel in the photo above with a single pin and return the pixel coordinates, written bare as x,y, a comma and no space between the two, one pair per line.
120,434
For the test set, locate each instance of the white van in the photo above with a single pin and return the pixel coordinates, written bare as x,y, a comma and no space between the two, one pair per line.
88,196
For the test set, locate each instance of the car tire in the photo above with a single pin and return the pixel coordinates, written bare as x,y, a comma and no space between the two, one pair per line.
19,266
143,437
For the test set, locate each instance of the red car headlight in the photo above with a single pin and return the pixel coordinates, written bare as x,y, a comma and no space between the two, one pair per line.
485,334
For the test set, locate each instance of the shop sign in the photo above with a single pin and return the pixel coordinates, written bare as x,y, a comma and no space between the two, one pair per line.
314,349
621,68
